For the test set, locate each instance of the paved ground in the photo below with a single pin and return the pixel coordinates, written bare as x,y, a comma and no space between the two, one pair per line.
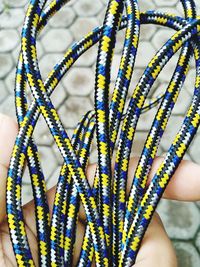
74,96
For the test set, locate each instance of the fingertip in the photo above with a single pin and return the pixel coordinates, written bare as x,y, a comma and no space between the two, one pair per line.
157,249
8,133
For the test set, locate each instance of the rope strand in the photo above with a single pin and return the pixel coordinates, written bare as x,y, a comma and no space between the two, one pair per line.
116,223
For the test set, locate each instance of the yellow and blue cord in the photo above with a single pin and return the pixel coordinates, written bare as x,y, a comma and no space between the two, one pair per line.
116,223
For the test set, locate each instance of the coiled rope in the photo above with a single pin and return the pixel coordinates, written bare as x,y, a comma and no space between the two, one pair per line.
116,223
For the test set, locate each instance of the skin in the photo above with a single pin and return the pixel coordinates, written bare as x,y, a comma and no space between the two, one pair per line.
156,249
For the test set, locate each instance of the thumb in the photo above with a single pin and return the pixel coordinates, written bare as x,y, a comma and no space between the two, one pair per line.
156,248
8,132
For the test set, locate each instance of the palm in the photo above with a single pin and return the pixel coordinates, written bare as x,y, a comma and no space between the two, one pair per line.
155,243
7,257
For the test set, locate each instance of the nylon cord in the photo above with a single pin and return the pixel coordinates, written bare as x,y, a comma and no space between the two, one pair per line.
116,223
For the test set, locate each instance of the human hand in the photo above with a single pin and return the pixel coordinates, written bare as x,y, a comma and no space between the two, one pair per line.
156,249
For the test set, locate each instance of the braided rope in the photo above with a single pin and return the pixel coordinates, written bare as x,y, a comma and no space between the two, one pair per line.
116,223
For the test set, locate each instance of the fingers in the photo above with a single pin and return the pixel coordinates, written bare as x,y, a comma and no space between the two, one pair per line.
156,248
184,184
8,132
78,242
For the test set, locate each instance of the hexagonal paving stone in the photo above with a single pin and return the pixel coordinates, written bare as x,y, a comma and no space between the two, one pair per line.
93,157
14,3
170,10
41,133
147,31
137,73
3,90
71,2
115,67
83,26
59,96
160,89
88,58
44,138
53,179
44,31
170,132
197,240
87,8
63,18
8,106
186,254
10,81
190,81
198,204
194,148
57,40
183,102
105,2
12,18
196,3
146,119
7,63
57,154
101,16
187,157
167,72
138,144
15,52
94,153
79,81
48,160
179,7
197,6
119,41
26,176
72,112
1,7
47,63
164,3
161,37
146,5
172,214
145,52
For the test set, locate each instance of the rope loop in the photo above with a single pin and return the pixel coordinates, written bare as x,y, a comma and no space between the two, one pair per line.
116,223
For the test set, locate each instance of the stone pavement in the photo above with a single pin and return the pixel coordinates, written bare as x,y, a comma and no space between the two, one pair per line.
74,96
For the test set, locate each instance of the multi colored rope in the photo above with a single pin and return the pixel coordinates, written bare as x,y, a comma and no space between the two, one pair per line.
116,223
